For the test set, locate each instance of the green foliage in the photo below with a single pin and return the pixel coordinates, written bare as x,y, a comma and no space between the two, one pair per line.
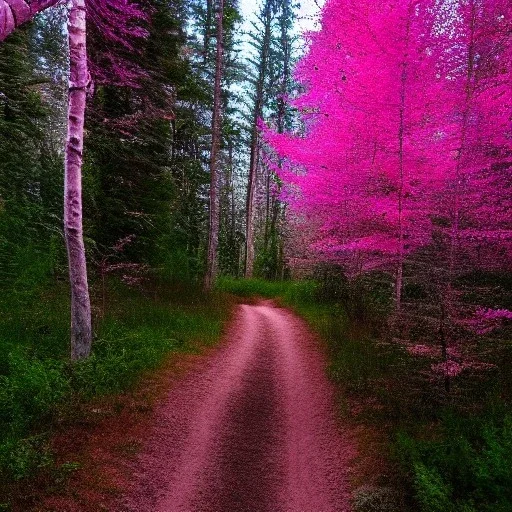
465,467
20,457
252,287
290,291
432,493
37,382
30,390
30,170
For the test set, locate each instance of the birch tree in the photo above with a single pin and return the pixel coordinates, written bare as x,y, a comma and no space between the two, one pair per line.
81,330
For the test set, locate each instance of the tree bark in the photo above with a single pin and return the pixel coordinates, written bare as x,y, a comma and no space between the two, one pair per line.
401,135
253,167
207,31
444,345
14,13
400,265
468,94
213,232
81,331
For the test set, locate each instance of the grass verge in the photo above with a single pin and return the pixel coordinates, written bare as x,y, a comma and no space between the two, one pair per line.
39,388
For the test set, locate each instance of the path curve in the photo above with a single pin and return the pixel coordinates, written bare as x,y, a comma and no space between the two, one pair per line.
254,429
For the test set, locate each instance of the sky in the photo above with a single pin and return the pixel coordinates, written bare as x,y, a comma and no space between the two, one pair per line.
308,12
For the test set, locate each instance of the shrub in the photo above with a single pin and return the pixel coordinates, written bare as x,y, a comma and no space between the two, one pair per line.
466,467
37,383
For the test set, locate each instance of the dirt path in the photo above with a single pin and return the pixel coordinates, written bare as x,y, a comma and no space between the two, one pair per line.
252,430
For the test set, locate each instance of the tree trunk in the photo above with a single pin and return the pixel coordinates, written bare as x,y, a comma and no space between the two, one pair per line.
401,133
400,264
81,332
207,31
253,167
454,234
213,232
444,345
14,13
285,19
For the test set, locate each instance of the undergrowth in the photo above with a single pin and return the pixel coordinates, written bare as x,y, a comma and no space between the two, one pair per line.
134,334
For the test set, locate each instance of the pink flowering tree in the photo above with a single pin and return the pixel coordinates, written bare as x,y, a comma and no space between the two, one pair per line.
372,86
404,156
14,13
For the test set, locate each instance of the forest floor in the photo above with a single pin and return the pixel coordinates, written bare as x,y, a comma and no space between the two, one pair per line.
250,425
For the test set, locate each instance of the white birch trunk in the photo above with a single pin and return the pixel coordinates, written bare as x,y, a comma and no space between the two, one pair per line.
81,331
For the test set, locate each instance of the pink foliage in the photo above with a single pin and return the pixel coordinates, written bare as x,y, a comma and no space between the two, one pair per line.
13,13
453,368
119,25
448,368
407,118
123,242
485,321
423,350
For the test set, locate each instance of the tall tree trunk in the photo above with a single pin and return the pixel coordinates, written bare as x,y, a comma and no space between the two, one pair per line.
444,344
285,20
81,332
468,90
207,31
257,113
251,191
14,13
401,135
267,211
400,264
213,232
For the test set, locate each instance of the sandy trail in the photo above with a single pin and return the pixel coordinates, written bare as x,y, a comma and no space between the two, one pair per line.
252,430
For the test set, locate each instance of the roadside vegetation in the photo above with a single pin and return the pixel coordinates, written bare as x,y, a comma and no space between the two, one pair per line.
40,388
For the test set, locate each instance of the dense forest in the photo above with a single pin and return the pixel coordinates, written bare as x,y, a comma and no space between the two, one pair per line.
162,162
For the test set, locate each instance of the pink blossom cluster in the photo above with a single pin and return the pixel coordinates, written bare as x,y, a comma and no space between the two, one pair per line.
451,368
448,368
484,321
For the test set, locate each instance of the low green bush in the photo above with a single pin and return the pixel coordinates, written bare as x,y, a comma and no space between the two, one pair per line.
37,381
464,467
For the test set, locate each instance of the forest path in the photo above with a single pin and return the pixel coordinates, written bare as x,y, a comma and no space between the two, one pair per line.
254,429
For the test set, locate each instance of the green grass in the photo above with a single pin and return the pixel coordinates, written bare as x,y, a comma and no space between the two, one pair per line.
259,287
38,384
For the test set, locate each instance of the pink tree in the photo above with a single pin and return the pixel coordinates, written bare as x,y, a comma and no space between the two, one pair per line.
406,148
369,111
